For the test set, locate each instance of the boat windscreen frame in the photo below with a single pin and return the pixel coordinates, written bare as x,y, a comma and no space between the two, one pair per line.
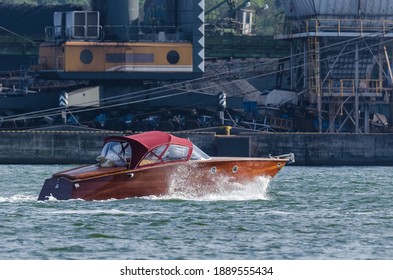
110,153
198,154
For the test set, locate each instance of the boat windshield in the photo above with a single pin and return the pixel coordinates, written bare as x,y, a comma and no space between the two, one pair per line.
198,154
115,154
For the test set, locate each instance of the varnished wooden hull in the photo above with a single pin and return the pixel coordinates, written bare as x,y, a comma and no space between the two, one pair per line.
98,183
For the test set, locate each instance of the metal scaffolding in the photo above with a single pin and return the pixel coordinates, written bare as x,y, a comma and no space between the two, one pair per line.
345,69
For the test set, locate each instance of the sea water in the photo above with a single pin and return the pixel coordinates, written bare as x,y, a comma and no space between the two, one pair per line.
302,213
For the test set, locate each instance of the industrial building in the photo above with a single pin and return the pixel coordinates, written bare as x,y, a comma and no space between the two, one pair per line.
340,62
336,77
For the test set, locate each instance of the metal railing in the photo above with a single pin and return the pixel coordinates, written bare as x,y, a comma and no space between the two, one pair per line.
346,87
116,33
338,26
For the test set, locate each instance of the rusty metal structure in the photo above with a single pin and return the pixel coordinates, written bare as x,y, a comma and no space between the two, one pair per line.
339,61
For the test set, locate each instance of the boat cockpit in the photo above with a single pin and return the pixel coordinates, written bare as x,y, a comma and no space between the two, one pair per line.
119,154
115,153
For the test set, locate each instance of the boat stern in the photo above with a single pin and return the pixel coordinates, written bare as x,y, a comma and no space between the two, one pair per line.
58,188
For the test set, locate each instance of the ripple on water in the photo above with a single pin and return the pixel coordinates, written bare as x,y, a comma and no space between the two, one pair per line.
303,213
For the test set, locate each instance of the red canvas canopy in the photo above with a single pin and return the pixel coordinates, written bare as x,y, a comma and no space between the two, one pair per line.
153,139
144,142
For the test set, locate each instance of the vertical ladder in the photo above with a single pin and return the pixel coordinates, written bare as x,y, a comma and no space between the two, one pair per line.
313,62
314,76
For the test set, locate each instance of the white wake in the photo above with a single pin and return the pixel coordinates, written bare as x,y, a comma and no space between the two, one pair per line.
222,190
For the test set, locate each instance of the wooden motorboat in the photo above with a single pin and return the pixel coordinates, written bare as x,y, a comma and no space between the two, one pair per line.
154,163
